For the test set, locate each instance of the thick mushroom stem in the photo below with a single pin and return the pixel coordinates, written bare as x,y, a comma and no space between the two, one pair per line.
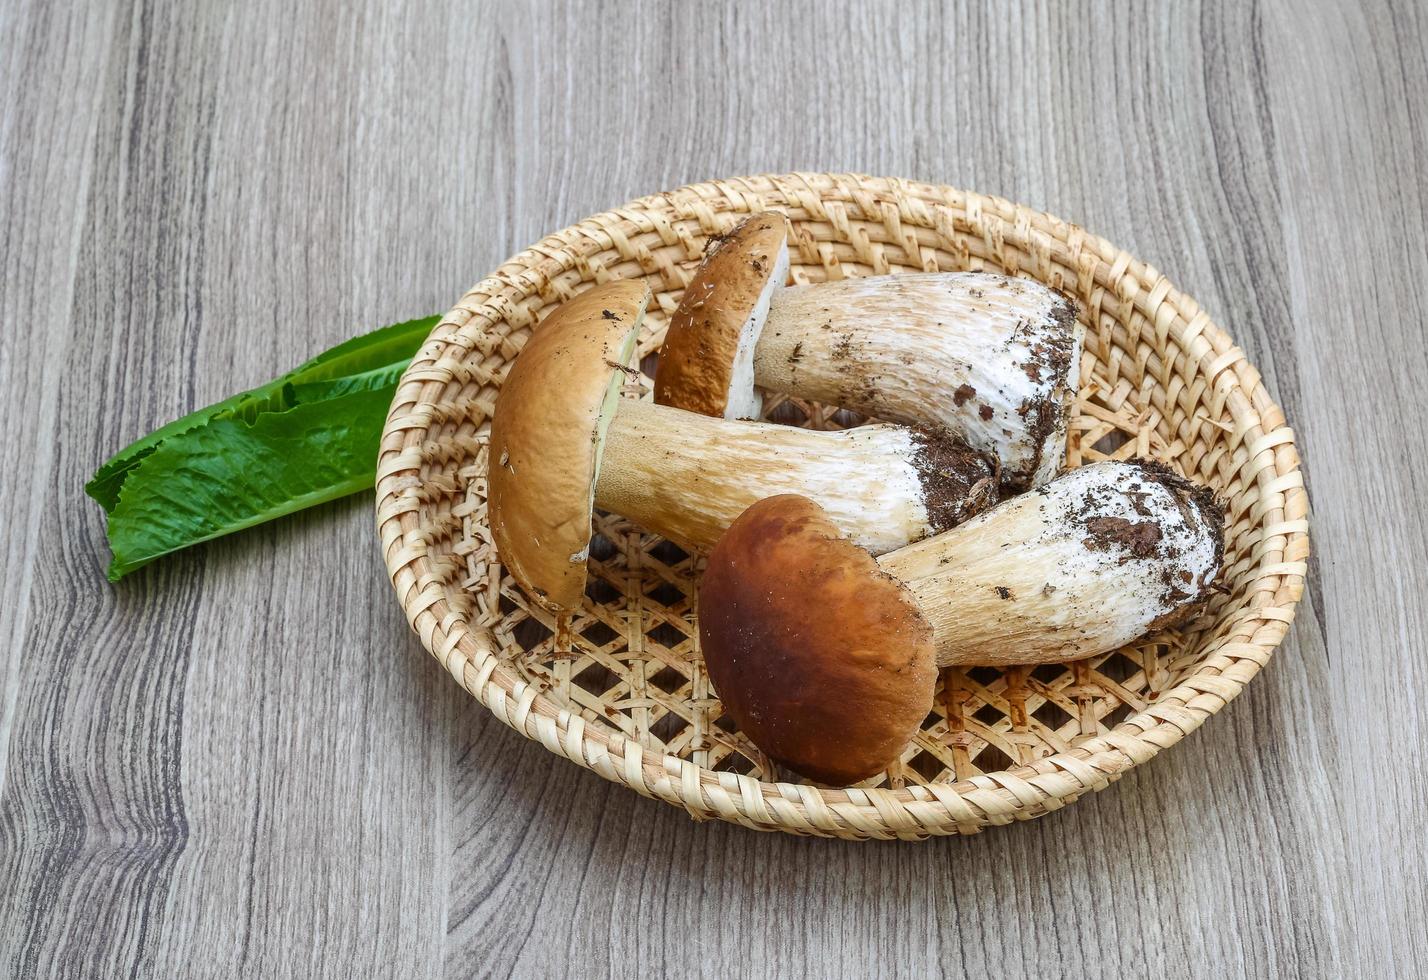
993,358
1081,566
688,476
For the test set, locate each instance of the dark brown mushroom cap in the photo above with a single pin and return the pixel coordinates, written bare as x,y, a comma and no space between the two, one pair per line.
697,361
821,657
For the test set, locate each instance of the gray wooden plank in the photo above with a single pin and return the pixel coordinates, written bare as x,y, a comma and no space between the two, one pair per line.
1356,245
46,159
166,792
240,762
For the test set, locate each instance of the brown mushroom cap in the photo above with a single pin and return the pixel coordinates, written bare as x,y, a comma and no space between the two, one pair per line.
547,433
821,657
714,325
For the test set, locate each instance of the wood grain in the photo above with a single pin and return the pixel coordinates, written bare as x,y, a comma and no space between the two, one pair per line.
239,762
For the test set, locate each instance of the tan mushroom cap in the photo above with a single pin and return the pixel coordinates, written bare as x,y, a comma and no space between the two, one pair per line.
714,330
821,657
547,434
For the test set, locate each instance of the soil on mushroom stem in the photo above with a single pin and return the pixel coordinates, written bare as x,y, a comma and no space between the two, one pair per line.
1042,416
1052,350
958,482
1145,539
1135,539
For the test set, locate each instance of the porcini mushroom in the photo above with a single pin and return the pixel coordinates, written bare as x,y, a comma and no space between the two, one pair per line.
564,442
992,358
827,658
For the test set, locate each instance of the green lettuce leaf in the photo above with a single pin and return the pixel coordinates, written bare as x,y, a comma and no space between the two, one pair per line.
229,474
302,439
304,392
391,346
386,345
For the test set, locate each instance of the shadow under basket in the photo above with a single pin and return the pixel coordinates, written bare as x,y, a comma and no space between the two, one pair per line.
631,699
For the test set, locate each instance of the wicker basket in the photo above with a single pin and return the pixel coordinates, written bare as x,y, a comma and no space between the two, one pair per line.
632,700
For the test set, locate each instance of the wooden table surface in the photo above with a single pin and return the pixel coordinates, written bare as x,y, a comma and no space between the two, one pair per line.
240,762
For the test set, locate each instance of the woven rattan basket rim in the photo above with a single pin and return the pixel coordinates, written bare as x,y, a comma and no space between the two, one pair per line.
1016,238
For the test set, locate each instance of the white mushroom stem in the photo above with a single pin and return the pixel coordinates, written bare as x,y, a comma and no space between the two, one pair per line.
993,358
1081,566
687,476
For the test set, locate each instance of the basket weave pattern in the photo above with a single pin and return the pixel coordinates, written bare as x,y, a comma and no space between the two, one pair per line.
631,700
